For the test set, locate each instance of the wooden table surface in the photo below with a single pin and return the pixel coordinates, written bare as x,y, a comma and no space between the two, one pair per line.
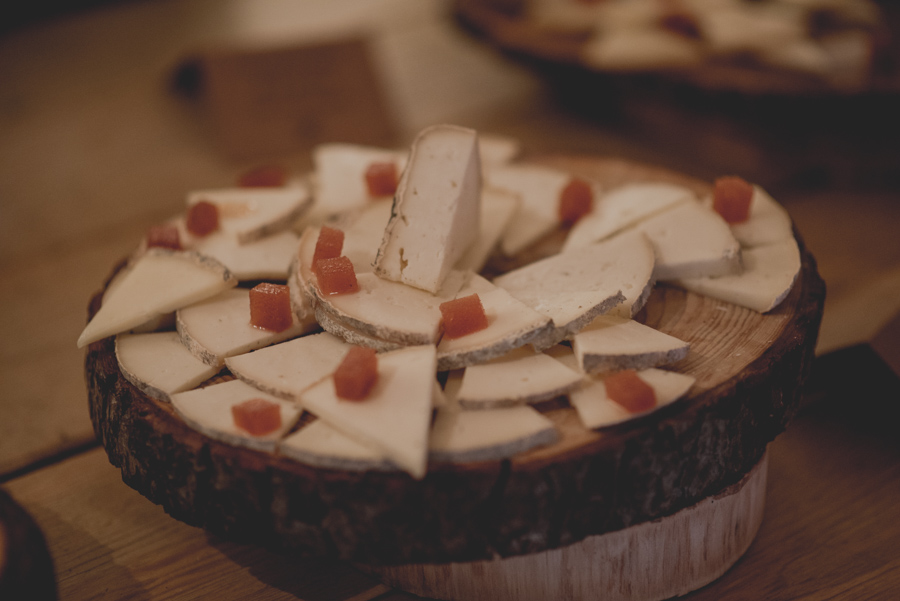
95,146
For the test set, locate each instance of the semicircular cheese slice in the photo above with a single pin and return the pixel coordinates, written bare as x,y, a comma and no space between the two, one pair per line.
159,282
597,410
219,327
158,364
208,410
613,343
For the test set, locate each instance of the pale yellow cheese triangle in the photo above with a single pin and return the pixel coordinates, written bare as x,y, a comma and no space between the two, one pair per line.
159,365
612,343
265,259
249,214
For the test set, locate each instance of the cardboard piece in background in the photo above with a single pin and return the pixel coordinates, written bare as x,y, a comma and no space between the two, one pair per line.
272,102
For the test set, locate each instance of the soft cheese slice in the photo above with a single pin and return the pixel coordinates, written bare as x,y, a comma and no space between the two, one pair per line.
208,410
159,282
640,49
622,207
769,274
496,149
538,214
612,343
363,230
597,410
287,369
497,209
691,240
768,222
391,311
340,173
353,336
219,327
159,365
491,434
522,376
511,324
436,213
573,288
253,213
396,416
265,259
321,445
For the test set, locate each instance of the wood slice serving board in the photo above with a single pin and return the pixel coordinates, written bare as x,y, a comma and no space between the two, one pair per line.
749,369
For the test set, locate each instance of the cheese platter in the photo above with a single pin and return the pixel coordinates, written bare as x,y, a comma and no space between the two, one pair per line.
488,448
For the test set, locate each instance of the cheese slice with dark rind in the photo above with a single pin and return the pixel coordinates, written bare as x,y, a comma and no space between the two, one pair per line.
208,410
597,410
219,327
158,282
612,343
158,364
396,416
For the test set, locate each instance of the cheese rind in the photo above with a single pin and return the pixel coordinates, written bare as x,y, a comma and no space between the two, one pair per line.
395,417
159,365
612,343
219,327
436,212
208,410
159,282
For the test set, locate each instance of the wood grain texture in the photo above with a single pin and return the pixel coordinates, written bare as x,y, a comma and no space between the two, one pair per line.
655,560
589,483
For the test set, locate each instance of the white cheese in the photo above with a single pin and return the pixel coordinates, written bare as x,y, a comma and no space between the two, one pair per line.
573,288
490,434
497,209
612,343
253,213
769,274
596,409
395,418
511,324
208,410
363,230
436,212
287,369
496,149
522,376
640,49
159,365
219,327
622,207
159,282
767,223
321,445
353,336
691,240
265,259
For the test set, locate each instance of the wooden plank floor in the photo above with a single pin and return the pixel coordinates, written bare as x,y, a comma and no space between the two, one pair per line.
96,147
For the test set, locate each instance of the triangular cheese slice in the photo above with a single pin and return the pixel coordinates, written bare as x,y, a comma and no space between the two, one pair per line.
769,274
395,417
622,207
249,214
573,288
159,282
265,259
490,434
597,410
219,327
287,369
522,376
768,222
437,208
159,365
691,240
321,445
612,343
208,410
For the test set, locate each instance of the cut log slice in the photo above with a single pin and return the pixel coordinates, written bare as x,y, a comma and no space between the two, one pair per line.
749,369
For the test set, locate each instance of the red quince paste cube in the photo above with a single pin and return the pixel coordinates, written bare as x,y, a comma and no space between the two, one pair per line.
628,390
163,236
575,201
257,416
270,307
381,179
732,196
264,176
463,316
202,218
357,374
328,245
336,276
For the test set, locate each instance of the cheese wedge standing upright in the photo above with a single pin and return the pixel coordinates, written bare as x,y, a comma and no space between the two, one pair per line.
436,212
159,282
